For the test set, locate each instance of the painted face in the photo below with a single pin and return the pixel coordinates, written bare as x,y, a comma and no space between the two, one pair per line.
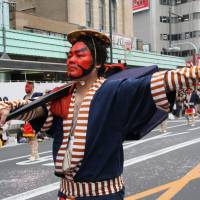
28,88
79,60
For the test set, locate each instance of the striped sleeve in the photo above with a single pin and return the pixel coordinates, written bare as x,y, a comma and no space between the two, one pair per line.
16,103
172,80
158,91
49,121
12,105
182,78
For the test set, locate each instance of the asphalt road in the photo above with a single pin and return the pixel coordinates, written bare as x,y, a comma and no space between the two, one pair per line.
159,166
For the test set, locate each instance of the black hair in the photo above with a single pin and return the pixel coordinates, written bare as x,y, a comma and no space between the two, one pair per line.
100,53
30,83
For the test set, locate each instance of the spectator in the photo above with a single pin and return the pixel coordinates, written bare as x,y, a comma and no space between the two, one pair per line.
190,110
163,126
33,141
30,134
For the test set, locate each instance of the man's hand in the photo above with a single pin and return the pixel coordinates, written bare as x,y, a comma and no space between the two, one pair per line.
4,111
3,115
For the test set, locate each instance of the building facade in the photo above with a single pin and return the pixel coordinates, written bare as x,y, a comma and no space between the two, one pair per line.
170,27
36,50
63,16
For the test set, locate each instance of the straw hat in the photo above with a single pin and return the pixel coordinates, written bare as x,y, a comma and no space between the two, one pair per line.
75,35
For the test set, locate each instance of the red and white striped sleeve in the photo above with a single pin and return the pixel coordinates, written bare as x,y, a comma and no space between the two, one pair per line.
158,90
12,105
182,78
49,121
172,80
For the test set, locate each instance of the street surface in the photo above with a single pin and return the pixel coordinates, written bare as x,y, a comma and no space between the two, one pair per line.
160,166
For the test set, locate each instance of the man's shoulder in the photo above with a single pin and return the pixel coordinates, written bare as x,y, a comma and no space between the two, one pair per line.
37,94
134,72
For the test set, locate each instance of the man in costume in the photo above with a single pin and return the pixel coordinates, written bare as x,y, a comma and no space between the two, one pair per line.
90,123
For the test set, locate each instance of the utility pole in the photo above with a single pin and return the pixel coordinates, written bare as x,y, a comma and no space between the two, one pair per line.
3,27
170,23
110,30
4,55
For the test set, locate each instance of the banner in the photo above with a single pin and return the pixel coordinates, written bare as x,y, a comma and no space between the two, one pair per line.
140,5
122,41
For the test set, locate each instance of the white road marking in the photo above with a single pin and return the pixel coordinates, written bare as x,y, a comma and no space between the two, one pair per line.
51,164
126,145
165,135
16,158
170,127
145,140
181,120
29,162
191,129
159,152
55,186
34,193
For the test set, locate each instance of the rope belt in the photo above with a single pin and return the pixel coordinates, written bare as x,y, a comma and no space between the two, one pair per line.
82,189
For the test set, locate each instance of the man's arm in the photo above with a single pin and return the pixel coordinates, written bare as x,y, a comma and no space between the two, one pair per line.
8,106
167,81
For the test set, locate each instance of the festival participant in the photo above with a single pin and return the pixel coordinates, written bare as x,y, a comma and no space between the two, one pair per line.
191,107
29,89
90,123
32,135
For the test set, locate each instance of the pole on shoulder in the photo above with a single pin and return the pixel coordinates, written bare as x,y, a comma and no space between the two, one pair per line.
39,102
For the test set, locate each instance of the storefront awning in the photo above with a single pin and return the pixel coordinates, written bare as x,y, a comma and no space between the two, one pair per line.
24,65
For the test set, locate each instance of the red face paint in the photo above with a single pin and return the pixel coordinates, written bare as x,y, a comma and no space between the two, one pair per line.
79,59
28,88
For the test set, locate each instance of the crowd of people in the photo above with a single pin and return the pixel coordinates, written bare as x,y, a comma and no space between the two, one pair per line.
187,105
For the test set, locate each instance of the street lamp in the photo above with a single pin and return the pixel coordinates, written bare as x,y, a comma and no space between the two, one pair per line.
170,22
110,29
189,43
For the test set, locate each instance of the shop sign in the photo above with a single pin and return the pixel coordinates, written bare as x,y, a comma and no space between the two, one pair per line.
140,5
121,41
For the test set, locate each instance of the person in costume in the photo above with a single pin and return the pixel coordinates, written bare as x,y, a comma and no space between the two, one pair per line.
28,132
90,123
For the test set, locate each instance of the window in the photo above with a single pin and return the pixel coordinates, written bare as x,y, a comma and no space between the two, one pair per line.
164,2
102,14
185,17
196,34
163,36
164,19
12,6
184,1
196,15
182,36
89,13
176,37
178,1
114,15
187,35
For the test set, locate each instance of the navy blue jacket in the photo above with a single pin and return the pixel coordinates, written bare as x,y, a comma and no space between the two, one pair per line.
123,108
